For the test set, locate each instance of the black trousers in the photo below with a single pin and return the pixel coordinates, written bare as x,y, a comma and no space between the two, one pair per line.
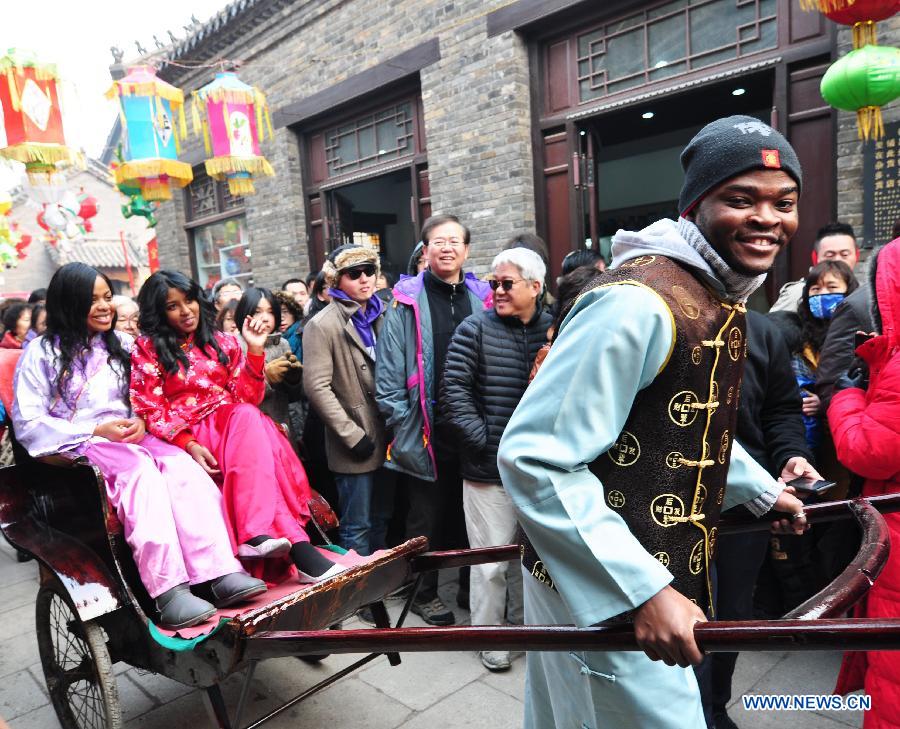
436,512
737,565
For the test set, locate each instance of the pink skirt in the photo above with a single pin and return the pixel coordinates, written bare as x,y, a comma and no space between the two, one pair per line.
264,486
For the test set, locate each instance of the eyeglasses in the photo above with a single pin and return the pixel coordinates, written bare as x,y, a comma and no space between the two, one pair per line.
506,283
354,273
447,243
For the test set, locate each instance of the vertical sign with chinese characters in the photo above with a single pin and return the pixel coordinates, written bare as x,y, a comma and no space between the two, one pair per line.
881,186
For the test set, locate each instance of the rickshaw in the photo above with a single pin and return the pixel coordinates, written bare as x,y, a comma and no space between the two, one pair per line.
92,610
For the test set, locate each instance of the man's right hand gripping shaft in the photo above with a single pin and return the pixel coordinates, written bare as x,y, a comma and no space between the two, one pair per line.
664,628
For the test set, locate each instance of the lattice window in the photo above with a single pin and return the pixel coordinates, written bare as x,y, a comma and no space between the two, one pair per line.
208,197
203,197
669,39
369,140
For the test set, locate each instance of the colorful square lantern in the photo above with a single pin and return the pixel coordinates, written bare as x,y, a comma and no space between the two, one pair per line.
148,110
31,129
231,116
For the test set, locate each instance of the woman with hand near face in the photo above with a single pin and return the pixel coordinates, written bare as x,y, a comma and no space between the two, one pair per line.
71,391
195,388
283,371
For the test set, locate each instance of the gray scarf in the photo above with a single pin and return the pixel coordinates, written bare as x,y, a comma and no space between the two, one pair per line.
683,241
738,286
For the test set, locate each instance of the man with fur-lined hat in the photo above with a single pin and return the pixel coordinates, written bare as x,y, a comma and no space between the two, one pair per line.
339,379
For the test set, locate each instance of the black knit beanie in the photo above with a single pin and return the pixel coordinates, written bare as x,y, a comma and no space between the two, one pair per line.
727,147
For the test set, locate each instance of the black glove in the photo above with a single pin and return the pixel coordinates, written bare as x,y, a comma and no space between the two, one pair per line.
856,376
365,448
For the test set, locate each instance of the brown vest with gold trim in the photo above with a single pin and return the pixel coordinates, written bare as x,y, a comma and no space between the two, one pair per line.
665,475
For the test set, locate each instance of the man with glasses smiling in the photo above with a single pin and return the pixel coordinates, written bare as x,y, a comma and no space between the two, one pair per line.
488,364
412,350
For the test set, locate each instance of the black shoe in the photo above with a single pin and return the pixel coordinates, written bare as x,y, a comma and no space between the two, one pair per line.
721,720
434,612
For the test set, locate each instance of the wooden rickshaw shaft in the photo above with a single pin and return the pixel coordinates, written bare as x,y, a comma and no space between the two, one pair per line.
810,627
712,637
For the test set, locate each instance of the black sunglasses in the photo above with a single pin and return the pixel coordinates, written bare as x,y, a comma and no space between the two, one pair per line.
356,272
506,283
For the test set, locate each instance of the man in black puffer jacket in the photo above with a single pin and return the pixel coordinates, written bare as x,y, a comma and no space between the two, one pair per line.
485,376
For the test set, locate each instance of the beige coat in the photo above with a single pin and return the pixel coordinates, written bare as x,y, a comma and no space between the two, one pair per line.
339,380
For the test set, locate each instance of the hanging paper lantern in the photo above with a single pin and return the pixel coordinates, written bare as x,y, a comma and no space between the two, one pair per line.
148,110
32,131
862,15
233,118
863,81
88,206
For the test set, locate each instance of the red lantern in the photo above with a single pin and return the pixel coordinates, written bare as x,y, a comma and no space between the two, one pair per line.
862,15
88,207
32,130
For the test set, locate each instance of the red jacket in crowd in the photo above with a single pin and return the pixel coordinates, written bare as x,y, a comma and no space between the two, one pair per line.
866,429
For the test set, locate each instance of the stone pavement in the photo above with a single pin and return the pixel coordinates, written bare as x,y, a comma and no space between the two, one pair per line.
427,691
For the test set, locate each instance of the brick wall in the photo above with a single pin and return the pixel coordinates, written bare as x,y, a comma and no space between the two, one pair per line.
476,106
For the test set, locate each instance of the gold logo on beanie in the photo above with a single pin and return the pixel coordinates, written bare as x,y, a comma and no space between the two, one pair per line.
771,158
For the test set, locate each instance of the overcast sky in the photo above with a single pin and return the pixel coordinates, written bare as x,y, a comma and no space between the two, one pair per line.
77,37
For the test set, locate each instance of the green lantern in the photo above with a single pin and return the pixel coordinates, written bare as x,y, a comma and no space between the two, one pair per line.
863,81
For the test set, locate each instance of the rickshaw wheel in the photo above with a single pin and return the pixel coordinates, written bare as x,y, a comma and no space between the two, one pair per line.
76,663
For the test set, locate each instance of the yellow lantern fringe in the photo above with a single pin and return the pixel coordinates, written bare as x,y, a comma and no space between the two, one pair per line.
207,145
864,34
825,6
155,190
228,96
181,121
156,88
42,71
180,172
195,112
869,123
219,167
241,186
39,152
39,174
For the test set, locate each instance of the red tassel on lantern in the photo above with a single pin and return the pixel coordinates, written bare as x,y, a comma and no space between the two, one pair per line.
862,15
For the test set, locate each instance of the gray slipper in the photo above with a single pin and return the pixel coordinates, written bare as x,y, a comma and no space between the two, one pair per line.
234,588
179,608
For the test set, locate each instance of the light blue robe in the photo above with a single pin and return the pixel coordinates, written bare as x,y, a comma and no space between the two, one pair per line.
612,345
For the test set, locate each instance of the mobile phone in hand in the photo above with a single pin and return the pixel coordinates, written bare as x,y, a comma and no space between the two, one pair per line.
810,485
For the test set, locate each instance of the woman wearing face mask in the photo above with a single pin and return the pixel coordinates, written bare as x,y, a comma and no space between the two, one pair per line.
798,566
826,286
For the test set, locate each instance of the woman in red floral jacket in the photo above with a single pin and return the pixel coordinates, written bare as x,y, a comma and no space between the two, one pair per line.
865,424
193,387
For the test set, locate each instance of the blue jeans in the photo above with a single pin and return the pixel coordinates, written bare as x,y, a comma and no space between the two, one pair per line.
364,511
